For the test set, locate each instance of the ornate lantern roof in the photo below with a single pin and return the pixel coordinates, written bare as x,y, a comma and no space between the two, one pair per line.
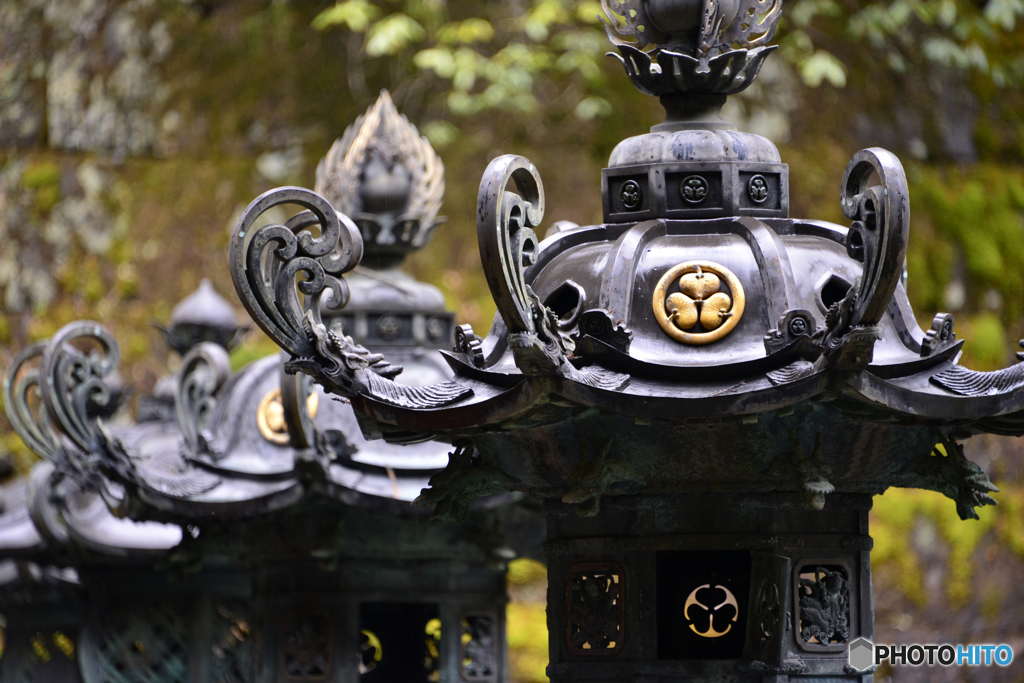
254,480
705,390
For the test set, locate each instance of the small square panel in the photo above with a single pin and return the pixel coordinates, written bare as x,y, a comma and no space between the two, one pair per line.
760,191
596,609
693,190
629,194
822,595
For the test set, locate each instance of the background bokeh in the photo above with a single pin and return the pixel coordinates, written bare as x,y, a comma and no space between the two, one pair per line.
133,132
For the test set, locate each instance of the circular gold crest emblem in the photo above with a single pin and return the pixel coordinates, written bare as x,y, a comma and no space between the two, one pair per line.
270,416
700,300
722,608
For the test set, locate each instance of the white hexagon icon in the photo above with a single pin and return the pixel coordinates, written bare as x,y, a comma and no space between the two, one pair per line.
862,654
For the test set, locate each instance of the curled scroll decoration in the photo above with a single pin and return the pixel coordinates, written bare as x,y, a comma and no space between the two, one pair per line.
203,371
265,266
23,402
878,237
71,380
508,244
266,263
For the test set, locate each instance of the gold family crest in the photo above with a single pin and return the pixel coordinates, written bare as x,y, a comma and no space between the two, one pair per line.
707,307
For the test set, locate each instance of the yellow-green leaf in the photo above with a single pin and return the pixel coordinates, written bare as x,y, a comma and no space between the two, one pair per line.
392,34
355,14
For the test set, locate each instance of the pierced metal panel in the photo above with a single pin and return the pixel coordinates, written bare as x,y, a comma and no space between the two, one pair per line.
142,642
307,646
231,652
478,651
595,605
822,596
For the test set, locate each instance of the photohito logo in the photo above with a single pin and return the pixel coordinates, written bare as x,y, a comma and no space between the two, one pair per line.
864,654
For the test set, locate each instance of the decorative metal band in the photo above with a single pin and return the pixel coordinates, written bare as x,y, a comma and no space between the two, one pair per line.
699,300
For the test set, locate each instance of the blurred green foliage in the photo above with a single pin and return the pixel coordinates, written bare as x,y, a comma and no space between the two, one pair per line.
487,56
492,55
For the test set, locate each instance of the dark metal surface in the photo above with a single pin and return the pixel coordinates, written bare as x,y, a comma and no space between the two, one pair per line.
203,371
203,316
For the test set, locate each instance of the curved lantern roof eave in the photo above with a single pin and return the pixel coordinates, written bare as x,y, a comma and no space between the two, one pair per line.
35,527
242,446
244,463
902,349
698,301
18,534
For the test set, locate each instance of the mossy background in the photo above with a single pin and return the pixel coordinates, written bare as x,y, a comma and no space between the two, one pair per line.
133,132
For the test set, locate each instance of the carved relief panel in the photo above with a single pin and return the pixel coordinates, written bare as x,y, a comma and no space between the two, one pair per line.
595,606
822,615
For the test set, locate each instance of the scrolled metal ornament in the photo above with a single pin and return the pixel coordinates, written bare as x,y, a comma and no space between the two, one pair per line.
266,262
508,246
267,282
878,236
71,380
466,342
505,222
27,415
203,371
878,239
